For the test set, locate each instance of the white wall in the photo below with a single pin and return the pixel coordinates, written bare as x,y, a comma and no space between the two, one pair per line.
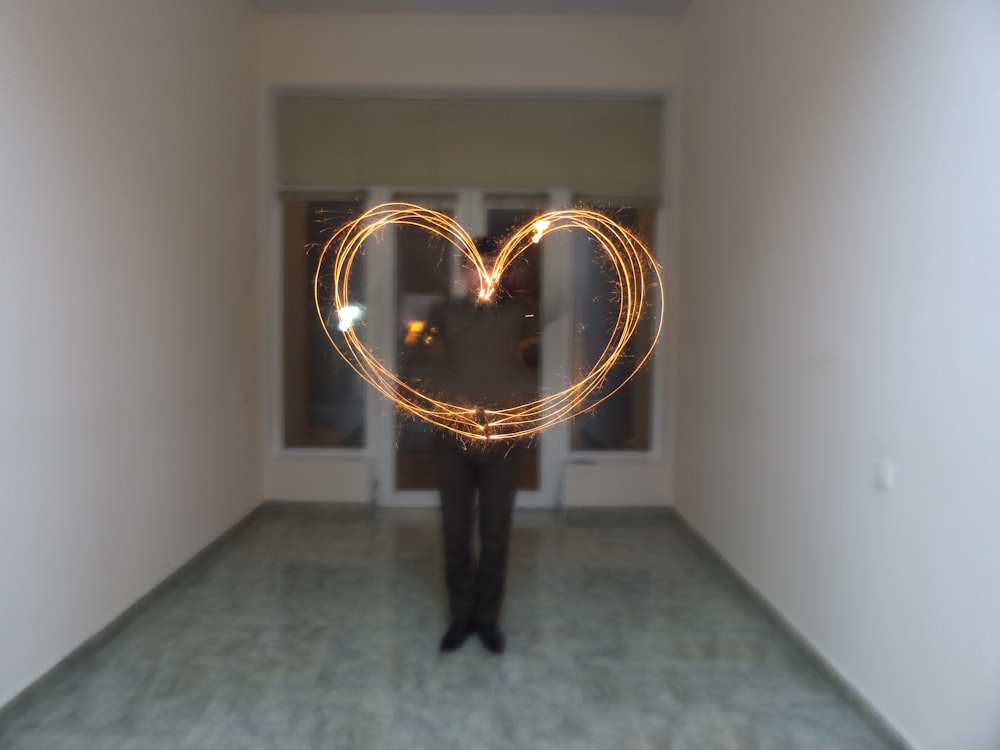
840,276
127,307
463,53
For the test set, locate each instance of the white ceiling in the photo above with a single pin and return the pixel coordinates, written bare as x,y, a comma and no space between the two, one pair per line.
557,7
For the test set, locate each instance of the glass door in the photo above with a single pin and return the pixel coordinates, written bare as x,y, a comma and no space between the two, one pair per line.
329,414
428,271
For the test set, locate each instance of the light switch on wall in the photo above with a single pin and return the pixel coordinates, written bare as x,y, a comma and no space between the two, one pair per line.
885,475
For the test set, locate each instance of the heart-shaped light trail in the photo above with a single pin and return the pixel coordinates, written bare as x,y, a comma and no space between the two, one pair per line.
637,279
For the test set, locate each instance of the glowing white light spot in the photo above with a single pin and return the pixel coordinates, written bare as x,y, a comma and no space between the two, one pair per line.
347,315
540,226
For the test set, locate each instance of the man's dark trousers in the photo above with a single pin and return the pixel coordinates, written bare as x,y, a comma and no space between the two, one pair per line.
476,587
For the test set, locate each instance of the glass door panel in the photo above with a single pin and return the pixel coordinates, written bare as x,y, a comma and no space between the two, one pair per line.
324,399
428,271
423,280
622,421
522,281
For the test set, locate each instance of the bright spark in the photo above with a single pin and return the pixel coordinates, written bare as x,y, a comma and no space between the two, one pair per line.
540,226
635,270
346,316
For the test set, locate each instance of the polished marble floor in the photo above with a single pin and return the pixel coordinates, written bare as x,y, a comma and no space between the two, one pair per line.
313,629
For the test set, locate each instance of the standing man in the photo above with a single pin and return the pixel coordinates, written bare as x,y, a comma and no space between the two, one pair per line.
481,363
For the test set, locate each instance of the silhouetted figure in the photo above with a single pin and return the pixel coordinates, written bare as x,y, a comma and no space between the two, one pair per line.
480,363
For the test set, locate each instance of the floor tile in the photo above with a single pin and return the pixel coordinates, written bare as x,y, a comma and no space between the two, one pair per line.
320,630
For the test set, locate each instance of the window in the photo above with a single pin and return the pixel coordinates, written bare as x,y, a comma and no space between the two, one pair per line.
324,398
622,421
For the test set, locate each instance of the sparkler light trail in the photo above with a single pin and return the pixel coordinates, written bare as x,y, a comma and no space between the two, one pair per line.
634,270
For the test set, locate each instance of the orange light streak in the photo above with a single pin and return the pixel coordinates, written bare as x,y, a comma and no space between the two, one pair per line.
640,289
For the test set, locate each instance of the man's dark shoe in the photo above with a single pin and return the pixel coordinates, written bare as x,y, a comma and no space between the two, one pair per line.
492,637
456,634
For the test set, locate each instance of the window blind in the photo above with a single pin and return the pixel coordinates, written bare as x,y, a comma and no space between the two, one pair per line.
590,146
